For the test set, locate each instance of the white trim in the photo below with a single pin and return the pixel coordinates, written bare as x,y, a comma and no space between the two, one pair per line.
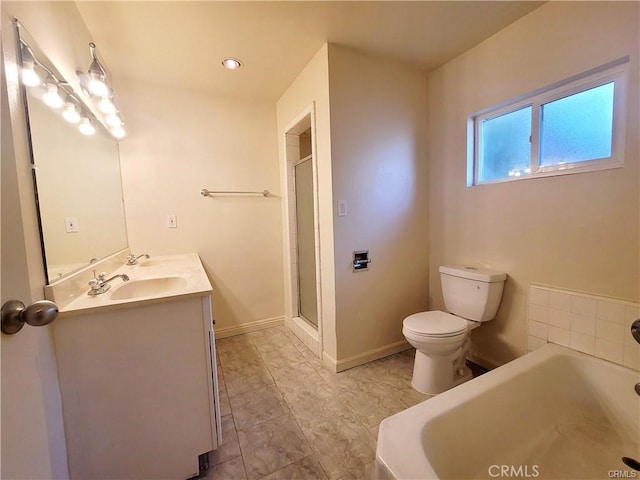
305,333
365,357
248,327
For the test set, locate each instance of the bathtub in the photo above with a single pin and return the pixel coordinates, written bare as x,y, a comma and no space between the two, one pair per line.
551,414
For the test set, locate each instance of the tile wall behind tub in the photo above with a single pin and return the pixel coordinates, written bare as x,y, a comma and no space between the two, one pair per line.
599,326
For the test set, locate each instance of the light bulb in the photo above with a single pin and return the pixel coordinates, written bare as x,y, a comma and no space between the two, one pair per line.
96,86
29,76
107,106
70,113
52,97
118,132
231,63
113,120
86,128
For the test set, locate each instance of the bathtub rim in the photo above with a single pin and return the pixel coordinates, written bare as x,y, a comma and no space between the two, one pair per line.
410,461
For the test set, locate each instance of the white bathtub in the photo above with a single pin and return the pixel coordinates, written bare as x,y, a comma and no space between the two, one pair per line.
554,413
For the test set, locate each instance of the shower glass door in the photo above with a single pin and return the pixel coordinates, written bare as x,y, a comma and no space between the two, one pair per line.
307,291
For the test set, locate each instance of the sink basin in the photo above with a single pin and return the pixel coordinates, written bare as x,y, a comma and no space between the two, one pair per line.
148,287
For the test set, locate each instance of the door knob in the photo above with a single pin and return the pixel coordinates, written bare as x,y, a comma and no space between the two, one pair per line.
15,315
635,330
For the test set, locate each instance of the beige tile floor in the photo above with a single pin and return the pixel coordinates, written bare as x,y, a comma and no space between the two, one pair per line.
285,416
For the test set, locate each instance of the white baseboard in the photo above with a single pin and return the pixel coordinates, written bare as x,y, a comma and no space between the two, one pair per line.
364,357
248,327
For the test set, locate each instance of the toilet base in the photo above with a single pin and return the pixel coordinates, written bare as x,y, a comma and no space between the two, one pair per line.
433,375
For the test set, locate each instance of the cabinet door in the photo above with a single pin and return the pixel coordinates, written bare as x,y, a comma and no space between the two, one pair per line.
137,390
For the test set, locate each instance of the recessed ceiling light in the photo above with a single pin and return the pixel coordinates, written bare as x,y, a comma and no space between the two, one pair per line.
231,63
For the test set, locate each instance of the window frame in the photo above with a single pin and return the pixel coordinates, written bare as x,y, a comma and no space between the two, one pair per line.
613,72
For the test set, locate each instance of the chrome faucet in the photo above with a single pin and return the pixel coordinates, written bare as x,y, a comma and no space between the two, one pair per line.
133,260
100,284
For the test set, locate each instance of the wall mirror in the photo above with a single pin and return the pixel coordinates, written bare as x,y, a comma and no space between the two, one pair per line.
77,175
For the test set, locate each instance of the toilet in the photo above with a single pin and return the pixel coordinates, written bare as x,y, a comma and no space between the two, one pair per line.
441,339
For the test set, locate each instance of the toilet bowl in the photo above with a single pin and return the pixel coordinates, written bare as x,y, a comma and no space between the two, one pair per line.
441,339
438,338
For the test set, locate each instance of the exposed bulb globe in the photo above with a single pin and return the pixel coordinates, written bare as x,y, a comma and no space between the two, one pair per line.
29,76
106,106
86,128
113,120
52,97
97,86
71,114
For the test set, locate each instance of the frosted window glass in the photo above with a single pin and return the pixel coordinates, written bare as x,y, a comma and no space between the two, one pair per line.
577,128
506,149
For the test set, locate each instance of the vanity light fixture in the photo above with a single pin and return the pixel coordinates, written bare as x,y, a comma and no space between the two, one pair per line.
95,82
231,63
97,76
85,127
59,93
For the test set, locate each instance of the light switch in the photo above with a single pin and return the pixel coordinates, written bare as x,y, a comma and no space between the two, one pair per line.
342,208
172,221
71,225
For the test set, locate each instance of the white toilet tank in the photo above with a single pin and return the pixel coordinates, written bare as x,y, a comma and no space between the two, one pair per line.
472,293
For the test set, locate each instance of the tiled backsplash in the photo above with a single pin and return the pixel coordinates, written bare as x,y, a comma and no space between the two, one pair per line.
595,325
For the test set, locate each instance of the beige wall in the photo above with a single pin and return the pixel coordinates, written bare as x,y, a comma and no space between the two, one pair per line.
311,87
577,232
379,163
180,142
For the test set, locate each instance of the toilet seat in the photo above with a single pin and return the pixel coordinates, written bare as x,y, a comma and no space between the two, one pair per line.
435,324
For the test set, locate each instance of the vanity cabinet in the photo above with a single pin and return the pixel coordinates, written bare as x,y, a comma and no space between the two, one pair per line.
139,389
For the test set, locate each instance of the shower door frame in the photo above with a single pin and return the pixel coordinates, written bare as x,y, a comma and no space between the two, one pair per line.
294,125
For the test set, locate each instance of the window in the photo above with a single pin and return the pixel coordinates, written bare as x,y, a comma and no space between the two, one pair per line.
572,126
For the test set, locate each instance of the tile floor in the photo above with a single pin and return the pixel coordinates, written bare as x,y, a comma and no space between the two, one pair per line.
285,416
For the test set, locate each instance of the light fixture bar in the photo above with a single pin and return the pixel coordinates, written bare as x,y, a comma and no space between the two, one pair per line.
60,94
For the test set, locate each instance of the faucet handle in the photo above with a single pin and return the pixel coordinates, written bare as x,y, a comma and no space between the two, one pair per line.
94,286
102,276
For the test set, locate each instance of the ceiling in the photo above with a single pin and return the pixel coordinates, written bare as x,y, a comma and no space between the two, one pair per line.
182,44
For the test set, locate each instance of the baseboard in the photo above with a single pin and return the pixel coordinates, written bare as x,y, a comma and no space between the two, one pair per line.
248,327
364,357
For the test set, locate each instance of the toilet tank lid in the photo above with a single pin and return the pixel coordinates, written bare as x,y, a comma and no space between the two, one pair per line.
473,273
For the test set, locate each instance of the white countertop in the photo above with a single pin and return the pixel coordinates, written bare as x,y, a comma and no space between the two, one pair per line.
187,267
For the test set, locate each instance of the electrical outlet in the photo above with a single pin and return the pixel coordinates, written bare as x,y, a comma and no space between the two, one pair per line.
172,221
71,225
